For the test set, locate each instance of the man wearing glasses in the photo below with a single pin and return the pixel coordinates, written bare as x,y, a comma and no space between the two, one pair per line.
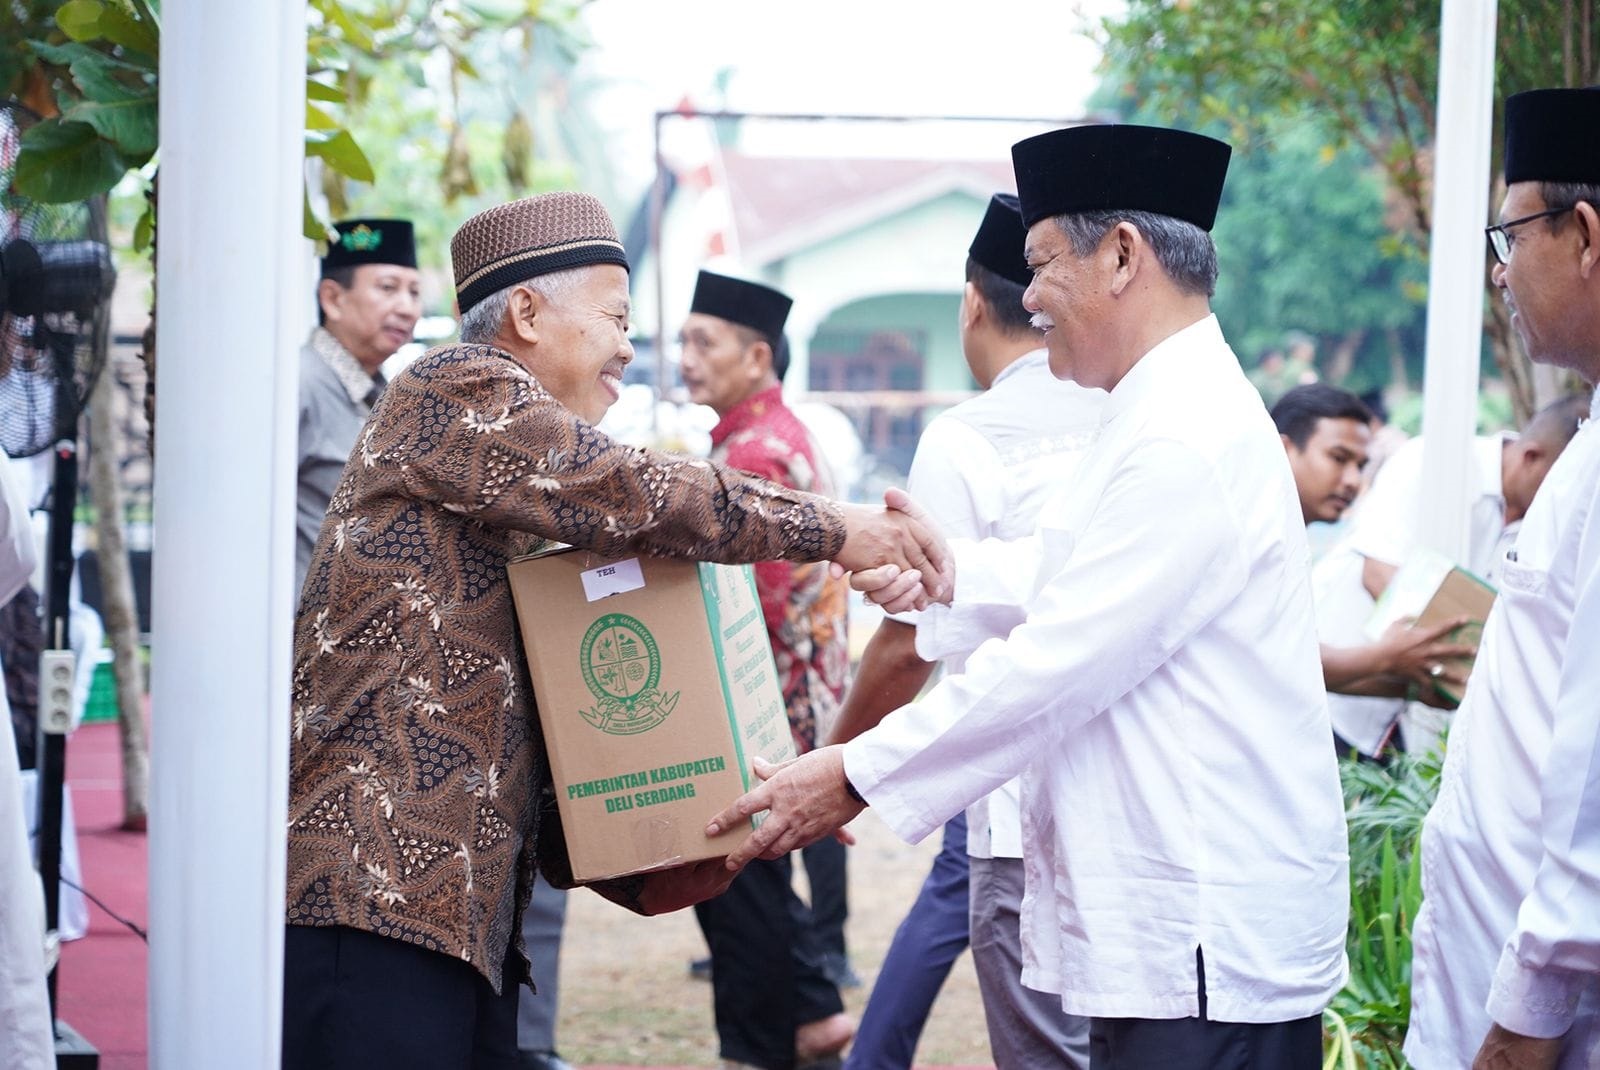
1507,945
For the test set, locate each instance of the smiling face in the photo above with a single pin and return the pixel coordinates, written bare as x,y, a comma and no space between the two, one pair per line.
376,314
579,339
1327,472
722,363
1067,298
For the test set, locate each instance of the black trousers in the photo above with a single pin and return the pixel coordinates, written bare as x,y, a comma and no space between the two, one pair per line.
1201,1044
357,1000
827,871
766,966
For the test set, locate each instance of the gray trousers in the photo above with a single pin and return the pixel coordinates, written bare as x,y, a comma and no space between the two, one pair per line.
1027,1029
541,930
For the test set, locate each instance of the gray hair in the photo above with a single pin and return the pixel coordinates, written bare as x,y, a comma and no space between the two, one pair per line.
481,322
1184,251
1567,195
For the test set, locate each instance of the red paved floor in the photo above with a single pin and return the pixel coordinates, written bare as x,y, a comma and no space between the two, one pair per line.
101,980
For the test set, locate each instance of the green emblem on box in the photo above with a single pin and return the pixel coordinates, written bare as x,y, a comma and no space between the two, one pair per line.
622,668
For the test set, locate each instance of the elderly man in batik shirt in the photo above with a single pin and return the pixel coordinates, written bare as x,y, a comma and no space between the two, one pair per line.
419,792
774,1002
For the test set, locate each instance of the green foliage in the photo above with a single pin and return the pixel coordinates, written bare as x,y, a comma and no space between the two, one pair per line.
339,150
63,162
117,97
445,145
1363,75
392,63
104,80
1303,241
1365,1025
91,67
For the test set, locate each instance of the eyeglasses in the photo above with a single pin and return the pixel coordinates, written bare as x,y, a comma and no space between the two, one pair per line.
1499,235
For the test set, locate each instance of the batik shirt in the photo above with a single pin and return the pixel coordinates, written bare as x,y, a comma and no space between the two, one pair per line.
804,606
419,797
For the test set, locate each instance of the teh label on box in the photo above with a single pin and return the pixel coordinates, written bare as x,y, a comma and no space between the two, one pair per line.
615,577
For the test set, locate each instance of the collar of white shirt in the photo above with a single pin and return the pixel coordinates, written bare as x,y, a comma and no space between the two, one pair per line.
1179,353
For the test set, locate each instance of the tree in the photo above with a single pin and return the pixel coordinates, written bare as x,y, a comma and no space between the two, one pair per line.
451,130
90,69
1305,247
1365,74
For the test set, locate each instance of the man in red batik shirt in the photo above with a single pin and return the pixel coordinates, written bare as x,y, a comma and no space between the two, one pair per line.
775,1004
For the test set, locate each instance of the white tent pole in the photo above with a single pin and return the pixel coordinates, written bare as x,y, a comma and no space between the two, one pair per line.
1455,270
233,286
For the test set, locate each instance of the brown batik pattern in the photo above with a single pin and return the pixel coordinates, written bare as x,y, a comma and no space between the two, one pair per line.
418,782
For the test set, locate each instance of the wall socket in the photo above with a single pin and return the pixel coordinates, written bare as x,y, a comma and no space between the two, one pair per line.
56,672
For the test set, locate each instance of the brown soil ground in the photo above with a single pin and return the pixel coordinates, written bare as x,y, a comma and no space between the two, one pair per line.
627,998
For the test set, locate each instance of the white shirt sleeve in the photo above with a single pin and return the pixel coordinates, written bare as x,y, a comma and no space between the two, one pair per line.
1157,560
956,476
1385,523
1554,951
18,554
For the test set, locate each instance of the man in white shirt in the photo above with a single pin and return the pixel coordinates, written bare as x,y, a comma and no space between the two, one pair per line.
1183,829
1506,971
1326,432
982,470
26,1037
1506,471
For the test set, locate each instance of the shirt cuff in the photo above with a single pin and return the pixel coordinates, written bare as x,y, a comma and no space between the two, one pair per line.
903,819
1534,1002
940,631
931,640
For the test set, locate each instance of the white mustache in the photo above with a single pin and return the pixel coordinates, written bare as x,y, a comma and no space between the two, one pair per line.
1042,322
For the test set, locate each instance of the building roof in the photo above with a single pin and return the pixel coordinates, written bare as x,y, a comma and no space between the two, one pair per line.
782,204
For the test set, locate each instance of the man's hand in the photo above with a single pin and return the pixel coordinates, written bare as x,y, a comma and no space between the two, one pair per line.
805,799
1505,1050
932,576
666,890
1422,655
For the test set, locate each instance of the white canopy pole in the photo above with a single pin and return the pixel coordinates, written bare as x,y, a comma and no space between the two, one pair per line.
1455,271
234,297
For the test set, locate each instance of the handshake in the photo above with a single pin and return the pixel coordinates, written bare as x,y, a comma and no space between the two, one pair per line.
895,554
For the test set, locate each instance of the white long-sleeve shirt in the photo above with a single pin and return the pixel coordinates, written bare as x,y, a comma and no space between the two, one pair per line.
1163,702
1510,924
983,470
27,1041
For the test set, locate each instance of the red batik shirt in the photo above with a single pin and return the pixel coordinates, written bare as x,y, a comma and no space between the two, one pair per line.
804,605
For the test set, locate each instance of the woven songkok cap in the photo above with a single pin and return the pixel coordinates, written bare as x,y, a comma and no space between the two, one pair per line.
749,304
1553,135
370,241
1000,240
1118,167
533,236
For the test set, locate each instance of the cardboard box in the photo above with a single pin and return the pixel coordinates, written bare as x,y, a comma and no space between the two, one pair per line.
656,690
1432,589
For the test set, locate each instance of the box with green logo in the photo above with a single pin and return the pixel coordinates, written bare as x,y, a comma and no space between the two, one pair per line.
656,689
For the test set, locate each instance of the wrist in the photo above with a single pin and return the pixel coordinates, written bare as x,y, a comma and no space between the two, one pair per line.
850,790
